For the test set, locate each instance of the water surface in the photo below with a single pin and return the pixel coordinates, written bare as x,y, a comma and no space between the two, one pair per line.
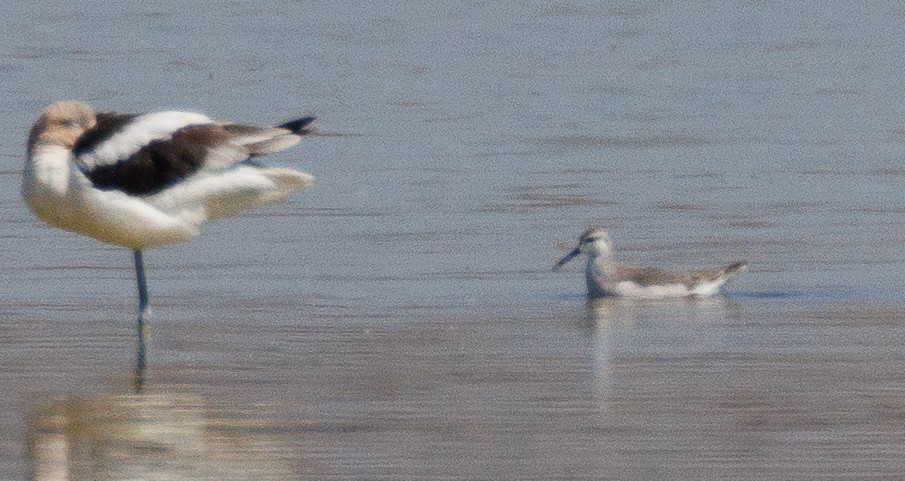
400,320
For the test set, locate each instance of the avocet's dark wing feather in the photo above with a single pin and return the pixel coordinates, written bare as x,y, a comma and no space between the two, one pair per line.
144,154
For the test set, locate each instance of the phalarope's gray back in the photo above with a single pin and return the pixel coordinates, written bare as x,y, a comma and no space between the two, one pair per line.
605,277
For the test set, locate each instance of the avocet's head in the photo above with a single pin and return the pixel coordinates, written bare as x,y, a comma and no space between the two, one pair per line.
62,123
593,242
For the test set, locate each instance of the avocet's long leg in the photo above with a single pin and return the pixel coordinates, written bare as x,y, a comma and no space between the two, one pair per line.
144,310
144,181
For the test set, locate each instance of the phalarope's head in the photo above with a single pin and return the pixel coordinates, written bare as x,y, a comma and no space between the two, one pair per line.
593,242
62,123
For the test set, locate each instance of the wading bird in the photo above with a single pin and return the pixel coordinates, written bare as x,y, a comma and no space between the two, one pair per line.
143,181
605,277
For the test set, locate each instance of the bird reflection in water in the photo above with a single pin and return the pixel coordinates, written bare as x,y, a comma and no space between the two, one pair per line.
625,328
166,433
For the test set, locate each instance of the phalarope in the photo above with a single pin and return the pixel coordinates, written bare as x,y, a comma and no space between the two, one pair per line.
605,277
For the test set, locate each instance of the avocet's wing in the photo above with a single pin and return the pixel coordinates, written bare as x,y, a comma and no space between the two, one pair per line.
144,154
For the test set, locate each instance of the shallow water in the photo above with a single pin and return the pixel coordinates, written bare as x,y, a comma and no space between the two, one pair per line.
400,320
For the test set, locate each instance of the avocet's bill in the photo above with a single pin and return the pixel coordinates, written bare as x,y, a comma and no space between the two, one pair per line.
142,181
605,277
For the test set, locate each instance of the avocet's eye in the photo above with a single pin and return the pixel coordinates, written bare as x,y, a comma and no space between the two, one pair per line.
72,124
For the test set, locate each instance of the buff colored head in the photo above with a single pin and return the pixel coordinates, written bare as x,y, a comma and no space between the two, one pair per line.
62,123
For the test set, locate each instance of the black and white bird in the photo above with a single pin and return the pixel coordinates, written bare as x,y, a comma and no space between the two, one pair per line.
605,277
143,181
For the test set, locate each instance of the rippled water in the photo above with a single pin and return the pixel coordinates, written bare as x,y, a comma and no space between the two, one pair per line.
400,320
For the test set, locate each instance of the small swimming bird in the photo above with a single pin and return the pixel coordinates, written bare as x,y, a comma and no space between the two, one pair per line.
605,277
142,181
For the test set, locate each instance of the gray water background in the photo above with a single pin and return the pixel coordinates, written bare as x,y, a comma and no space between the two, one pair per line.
400,320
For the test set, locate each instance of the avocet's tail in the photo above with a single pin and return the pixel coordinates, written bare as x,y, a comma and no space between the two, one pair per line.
301,127
267,140
735,269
